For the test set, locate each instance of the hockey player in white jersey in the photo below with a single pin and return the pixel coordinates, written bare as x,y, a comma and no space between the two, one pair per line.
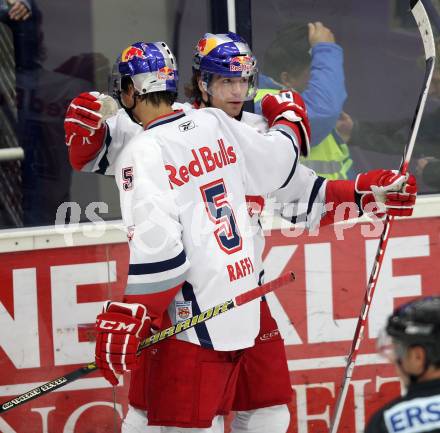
269,387
182,185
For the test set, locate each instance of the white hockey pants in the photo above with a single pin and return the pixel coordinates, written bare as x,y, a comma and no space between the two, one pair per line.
273,419
136,422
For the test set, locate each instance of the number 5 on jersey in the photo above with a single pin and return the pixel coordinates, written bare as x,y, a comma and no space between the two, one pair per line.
221,214
127,178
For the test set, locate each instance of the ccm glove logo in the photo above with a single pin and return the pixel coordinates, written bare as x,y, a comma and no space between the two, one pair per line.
117,323
110,325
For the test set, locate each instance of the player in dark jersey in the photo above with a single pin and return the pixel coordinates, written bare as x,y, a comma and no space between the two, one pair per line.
413,345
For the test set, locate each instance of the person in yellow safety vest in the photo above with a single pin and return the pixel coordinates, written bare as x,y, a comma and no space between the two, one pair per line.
330,158
321,77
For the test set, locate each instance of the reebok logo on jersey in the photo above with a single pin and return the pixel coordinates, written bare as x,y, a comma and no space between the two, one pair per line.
186,126
205,159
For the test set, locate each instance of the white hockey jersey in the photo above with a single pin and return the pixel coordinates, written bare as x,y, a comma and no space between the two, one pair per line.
302,200
182,186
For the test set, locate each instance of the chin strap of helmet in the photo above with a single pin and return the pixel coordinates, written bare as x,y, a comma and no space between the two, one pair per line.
239,115
208,102
129,110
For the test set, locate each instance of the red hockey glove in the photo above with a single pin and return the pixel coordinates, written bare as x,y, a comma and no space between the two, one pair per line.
85,126
288,108
397,192
83,116
120,328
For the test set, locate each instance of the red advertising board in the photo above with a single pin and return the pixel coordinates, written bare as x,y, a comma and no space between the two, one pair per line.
50,297
322,306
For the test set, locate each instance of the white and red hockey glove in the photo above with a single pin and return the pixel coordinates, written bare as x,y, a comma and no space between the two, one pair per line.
84,126
395,191
119,330
288,108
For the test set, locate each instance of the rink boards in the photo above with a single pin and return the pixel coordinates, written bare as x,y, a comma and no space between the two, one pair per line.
53,282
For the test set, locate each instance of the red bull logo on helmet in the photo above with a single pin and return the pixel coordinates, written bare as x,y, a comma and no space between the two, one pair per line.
205,45
241,64
165,73
131,52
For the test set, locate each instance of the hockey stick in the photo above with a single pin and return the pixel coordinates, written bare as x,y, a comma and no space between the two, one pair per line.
189,323
423,24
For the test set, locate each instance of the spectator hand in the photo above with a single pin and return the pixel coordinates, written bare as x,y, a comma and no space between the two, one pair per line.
422,163
18,11
120,328
387,189
344,126
319,33
288,108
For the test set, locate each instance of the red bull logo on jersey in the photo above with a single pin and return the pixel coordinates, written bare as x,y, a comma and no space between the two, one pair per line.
165,73
241,64
205,159
131,52
183,310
